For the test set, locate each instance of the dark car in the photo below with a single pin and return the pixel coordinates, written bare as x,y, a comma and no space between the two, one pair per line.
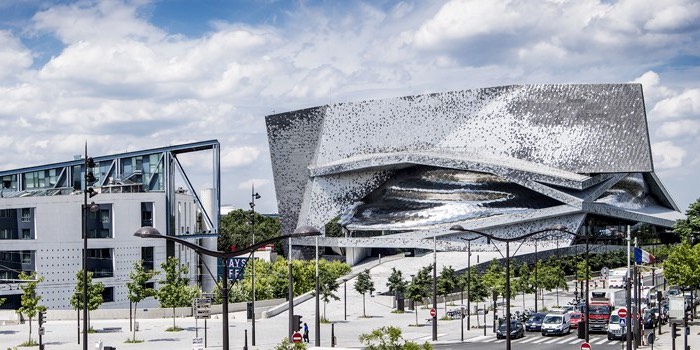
516,330
534,323
649,318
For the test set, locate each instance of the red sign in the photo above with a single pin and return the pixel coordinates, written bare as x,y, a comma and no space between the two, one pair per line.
296,337
622,312
586,346
433,313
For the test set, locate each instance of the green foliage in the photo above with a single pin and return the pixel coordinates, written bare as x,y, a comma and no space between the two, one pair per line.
691,224
288,345
446,282
389,338
137,289
94,292
363,285
29,300
333,229
478,291
236,230
174,291
682,267
396,282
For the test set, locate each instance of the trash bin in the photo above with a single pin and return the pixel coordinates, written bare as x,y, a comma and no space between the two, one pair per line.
581,329
400,304
411,304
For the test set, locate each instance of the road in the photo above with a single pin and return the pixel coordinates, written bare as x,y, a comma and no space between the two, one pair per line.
535,341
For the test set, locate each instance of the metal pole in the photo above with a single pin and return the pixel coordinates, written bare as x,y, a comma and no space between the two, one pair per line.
252,257
628,321
291,292
637,290
345,294
85,251
469,282
461,318
224,306
586,322
536,291
507,295
317,336
435,288
245,339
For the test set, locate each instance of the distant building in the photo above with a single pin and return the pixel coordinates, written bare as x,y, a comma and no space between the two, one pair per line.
41,226
399,172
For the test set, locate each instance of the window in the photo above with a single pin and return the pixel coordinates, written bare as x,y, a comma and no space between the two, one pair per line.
147,257
100,262
26,233
104,216
108,295
146,214
6,233
26,214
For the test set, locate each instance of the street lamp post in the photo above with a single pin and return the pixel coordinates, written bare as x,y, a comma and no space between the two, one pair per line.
435,288
345,297
317,337
89,179
507,241
253,196
469,277
151,232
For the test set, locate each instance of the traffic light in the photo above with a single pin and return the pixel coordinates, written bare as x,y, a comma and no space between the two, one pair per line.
41,318
90,177
296,322
674,331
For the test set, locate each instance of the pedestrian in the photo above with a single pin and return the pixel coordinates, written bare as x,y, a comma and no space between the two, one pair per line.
306,333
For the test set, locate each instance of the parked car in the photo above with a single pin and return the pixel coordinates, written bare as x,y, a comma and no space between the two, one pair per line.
516,330
576,317
556,324
649,318
534,323
615,331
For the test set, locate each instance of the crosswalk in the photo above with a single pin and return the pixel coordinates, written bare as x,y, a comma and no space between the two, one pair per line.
538,339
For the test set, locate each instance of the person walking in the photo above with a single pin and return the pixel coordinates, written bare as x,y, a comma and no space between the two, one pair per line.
306,333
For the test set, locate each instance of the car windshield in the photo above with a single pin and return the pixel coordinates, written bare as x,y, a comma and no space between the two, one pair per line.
513,324
552,319
536,318
576,315
599,310
614,319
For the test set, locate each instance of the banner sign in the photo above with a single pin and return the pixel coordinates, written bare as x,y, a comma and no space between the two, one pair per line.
235,268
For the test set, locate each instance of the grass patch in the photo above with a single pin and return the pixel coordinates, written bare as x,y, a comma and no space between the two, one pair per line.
173,329
324,320
397,312
133,341
31,342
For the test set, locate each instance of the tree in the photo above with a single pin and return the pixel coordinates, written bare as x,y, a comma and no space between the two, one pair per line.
396,283
524,282
691,225
327,286
446,283
416,291
363,285
138,288
174,291
236,230
94,294
29,300
389,338
682,267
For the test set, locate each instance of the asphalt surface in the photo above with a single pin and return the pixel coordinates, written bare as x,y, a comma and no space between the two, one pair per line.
62,335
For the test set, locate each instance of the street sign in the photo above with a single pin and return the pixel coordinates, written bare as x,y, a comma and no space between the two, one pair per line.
623,323
197,343
202,308
622,312
604,272
296,337
586,346
433,313
234,266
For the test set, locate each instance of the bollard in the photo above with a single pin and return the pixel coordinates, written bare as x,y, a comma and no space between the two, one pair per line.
98,345
332,335
245,340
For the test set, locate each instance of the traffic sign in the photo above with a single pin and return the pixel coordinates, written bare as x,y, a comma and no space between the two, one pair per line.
433,313
197,343
623,323
604,272
622,312
586,346
296,337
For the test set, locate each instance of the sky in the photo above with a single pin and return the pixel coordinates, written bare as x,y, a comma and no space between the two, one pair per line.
127,75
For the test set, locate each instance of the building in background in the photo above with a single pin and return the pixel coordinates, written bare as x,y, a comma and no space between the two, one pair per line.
397,173
41,227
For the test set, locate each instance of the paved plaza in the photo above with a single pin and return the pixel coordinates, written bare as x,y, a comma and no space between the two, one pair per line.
270,331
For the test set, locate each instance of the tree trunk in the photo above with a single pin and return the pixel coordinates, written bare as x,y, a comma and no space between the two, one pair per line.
134,325
30,330
173,318
364,314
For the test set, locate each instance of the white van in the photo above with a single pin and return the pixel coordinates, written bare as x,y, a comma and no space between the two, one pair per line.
556,324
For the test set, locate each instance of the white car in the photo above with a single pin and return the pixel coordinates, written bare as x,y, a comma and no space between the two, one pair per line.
556,324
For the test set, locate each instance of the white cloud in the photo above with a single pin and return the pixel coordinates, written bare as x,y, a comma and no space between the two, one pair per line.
667,155
14,57
239,156
685,127
685,104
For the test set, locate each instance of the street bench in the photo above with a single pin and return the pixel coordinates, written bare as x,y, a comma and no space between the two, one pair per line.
111,330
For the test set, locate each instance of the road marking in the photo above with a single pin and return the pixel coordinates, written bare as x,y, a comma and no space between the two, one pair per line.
430,337
528,339
539,340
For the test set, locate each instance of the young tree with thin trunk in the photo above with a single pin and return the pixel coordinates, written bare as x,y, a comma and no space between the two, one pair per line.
94,294
396,283
363,285
446,283
29,300
174,291
138,289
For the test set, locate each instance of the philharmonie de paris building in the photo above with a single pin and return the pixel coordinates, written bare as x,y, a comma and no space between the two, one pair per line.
395,175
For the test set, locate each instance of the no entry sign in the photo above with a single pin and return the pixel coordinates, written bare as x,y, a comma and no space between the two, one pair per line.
586,346
296,337
622,312
433,313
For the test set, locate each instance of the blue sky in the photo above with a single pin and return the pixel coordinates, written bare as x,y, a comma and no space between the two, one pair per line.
109,71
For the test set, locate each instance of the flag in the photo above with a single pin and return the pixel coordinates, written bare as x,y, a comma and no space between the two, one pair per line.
643,256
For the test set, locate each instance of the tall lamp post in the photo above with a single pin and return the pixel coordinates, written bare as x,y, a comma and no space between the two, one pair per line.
253,196
435,288
469,276
151,232
88,191
507,241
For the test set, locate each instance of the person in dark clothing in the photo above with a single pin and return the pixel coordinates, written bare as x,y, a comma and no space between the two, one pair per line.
306,333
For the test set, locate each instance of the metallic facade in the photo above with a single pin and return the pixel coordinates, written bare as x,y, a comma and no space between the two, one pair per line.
504,160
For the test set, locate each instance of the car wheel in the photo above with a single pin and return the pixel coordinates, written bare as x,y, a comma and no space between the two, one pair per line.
610,338
544,334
